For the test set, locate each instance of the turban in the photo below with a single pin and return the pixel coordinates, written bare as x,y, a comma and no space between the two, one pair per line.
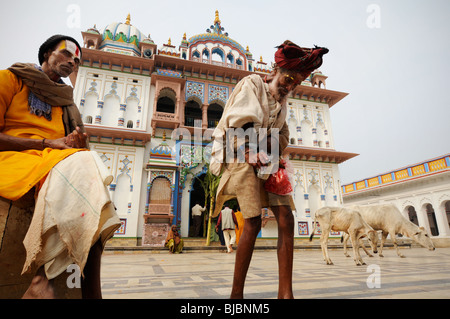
51,42
292,57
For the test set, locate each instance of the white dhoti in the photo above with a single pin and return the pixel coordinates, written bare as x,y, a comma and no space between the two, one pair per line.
73,211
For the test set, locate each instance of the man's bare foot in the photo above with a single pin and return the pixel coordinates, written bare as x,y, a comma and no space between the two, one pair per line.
40,287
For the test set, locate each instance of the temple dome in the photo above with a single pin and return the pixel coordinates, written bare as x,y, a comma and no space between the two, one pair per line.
123,38
215,40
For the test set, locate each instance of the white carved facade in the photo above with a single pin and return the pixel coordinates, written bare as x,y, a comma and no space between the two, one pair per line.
132,96
421,191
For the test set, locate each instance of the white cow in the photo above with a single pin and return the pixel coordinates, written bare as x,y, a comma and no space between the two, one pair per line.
347,220
390,221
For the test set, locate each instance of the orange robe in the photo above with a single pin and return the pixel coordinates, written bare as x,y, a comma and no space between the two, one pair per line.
241,221
21,171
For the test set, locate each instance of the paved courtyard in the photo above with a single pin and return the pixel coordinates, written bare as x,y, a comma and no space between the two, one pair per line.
208,275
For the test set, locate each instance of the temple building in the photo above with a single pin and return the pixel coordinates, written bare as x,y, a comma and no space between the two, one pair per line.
150,110
421,191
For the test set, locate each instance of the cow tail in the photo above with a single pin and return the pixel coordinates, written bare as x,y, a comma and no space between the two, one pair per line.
314,229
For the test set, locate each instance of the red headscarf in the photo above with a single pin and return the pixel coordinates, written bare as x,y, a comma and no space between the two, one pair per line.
292,57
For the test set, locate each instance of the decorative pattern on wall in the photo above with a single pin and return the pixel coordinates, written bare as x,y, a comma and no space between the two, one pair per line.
166,174
195,89
107,159
303,228
123,227
165,72
190,157
92,89
216,92
127,166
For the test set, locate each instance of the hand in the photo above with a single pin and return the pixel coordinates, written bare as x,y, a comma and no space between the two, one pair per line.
76,139
257,160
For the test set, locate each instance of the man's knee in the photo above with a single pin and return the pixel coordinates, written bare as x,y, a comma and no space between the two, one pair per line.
285,218
253,225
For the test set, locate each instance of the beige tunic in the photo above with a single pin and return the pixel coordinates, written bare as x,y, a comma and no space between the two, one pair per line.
250,102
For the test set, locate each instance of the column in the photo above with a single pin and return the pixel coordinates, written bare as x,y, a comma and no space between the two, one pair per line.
205,116
98,113
441,220
422,217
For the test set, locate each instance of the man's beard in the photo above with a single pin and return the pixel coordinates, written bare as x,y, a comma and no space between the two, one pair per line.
281,95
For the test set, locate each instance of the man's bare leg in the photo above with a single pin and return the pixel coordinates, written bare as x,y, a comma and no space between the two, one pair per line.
244,254
285,250
40,287
91,284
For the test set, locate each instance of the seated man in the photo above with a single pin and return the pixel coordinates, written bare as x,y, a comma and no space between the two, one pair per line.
174,241
44,147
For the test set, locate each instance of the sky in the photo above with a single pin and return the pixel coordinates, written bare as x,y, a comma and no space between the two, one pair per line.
390,56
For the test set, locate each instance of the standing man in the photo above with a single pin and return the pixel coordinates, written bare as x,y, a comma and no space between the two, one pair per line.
228,222
197,211
44,150
260,103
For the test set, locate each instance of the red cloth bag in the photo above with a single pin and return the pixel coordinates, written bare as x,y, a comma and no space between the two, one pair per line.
278,183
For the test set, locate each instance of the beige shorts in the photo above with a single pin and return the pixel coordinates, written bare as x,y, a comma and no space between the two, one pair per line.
240,181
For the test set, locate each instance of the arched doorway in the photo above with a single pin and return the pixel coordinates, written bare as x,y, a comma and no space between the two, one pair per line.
214,114
197,196
192,112
432,220
447,211
412,215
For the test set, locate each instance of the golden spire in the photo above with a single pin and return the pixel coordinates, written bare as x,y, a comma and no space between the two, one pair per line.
260,59
247,48
128,19
170,42
184,36
164,135
217,20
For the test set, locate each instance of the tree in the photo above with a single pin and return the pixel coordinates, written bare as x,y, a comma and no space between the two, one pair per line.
209,184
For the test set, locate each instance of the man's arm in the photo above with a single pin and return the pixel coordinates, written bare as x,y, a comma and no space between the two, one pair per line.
76,139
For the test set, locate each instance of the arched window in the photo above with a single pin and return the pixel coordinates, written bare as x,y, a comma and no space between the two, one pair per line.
217,55
214,114
230,58
88,119
130,124
205,55
160,196
432,220
447,211
166,101
165,105
412,214
192,112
